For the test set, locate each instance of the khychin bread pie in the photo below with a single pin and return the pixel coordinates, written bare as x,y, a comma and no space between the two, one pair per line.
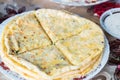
84,46
61,25
25,34
51,44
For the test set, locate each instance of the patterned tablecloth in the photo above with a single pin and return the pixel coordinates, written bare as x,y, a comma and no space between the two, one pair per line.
86,12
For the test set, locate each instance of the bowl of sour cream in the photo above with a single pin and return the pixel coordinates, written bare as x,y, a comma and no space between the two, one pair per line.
110,22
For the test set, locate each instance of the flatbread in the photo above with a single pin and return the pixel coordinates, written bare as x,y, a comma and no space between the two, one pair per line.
80,72
31,69
60,24
49,60
32,45
81,48
25,34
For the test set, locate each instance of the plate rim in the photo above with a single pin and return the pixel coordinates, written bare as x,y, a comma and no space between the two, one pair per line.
78,4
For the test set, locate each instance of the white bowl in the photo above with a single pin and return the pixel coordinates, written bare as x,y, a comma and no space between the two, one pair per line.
106,28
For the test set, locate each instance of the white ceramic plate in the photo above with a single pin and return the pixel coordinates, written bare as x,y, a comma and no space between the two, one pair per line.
104,16
82,3
95,71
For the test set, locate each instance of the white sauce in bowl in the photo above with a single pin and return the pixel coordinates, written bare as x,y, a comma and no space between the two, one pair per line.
112,23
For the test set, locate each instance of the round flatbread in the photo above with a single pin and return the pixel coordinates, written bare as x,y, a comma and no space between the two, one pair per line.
51,44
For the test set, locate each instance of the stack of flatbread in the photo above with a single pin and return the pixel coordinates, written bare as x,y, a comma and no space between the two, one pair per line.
51,45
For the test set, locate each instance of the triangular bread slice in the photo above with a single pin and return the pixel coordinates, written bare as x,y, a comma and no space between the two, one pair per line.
81,48
32,71
25,34
60,24
49,60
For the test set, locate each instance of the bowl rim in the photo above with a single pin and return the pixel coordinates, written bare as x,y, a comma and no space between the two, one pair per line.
104,16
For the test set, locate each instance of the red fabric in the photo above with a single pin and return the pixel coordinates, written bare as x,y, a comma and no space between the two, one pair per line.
3,66
118,67
101,8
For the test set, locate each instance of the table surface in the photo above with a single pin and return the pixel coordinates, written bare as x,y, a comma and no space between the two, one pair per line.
82,11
